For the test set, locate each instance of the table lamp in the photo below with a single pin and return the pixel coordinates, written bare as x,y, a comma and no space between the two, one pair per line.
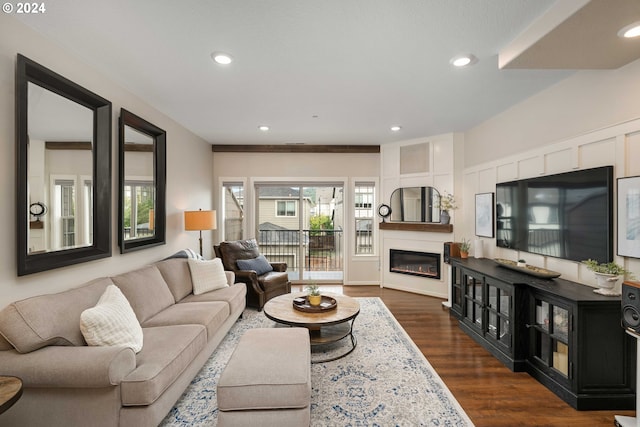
199,220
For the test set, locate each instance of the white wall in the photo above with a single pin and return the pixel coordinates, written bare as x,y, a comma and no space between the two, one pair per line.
189,175
590,119
346,168
441,169
584,102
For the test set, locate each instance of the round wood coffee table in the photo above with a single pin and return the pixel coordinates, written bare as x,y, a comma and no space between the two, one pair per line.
10,392
325,327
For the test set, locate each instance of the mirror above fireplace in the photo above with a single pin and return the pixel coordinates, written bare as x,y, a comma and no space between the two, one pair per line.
415,204
415,209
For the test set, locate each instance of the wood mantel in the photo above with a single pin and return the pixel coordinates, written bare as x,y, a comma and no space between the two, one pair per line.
432,227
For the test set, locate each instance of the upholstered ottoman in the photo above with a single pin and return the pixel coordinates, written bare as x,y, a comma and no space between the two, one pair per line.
267,381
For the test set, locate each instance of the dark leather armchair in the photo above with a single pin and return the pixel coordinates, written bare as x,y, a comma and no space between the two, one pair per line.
261,286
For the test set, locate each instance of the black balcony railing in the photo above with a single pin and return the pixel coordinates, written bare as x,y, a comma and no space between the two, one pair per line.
320,250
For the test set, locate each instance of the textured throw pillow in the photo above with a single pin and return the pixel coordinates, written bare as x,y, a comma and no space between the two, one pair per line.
111,322
207,275
259,264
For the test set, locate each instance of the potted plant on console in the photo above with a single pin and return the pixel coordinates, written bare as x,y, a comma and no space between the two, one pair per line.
465,247
314,294
607,274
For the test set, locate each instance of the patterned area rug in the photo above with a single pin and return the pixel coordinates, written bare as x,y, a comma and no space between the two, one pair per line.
385,381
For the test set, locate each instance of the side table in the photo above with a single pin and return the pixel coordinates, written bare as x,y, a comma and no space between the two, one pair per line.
10,392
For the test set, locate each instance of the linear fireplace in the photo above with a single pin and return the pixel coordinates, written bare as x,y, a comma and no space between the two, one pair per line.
423,264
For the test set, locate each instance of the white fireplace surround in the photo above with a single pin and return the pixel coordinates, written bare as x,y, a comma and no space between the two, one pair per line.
415,242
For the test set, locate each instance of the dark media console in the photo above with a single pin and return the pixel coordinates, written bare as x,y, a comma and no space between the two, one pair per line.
562,333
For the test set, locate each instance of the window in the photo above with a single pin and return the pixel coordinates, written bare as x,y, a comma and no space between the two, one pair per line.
233,210
138,209
286,208
363,215
66,195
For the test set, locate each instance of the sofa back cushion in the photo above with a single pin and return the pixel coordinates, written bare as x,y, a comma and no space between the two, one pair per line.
52,319
146,291
231,252
4,344
175,271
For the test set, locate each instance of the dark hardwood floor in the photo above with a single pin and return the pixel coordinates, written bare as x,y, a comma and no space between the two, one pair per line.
490,393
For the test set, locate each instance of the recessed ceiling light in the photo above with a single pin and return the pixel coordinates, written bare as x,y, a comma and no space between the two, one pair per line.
263,128
463,60
395,128
222,58
630,31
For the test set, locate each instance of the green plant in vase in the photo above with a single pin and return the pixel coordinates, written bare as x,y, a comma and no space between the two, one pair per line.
313,294
465,247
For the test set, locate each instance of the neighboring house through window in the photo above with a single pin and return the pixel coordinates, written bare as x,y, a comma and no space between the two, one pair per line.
364,194
286,208
233,208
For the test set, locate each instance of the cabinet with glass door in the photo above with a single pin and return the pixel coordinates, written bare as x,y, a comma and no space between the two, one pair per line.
560,332
456,292
499,308
473,300
550,346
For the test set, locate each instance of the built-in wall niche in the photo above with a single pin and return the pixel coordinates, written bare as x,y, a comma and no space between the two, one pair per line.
414,158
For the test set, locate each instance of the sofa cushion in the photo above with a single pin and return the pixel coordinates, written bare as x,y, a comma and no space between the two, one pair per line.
208,314
4,344
167,352
234,295
259,264
176,273
207,275
52,319
146,291
111,322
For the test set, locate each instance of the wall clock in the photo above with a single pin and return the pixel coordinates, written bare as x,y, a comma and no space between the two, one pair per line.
37,209
384,211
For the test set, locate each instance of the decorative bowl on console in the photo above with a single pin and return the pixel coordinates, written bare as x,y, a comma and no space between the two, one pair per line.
531,270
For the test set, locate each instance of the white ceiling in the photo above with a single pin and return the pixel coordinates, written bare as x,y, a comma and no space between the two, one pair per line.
319,72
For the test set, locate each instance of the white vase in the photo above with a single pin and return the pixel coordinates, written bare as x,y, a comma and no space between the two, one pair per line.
479,249
607,284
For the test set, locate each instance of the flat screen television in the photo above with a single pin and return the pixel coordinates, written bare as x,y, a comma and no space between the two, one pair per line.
568,215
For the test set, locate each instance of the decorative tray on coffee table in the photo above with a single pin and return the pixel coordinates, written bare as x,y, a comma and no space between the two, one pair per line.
326,304
528,269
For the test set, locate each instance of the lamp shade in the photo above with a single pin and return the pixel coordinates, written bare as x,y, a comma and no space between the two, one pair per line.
199,220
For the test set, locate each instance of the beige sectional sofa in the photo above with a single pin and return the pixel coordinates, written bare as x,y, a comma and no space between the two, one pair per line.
68,383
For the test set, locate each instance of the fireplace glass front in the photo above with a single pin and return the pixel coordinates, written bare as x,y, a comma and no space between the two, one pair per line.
424,264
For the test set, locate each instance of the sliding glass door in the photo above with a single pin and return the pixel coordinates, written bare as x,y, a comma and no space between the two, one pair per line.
302,225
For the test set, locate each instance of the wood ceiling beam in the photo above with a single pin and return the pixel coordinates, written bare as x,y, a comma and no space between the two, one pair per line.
295,148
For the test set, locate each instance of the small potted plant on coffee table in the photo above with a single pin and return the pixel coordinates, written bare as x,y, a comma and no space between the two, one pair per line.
607,274
313,293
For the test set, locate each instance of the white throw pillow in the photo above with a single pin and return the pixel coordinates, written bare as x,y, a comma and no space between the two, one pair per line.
111,322
207,275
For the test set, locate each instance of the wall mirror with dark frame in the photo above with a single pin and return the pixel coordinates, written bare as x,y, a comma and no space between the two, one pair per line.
415,204
142,182
63,155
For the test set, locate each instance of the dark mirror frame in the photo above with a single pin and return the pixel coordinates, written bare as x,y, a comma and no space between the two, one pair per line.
159,137
30,71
